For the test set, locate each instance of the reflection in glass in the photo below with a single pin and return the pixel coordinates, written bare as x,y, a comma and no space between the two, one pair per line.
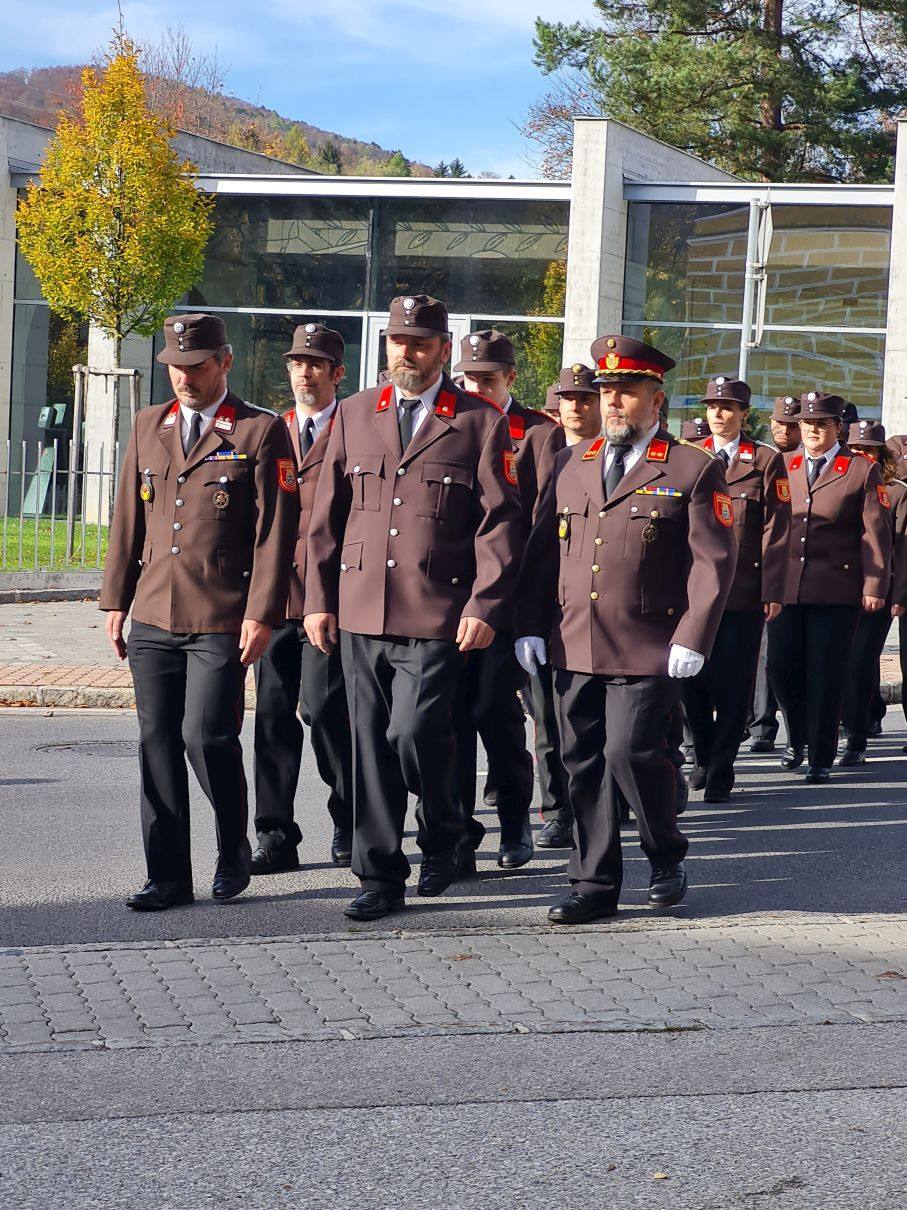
259,373
538,349
700,354
489,256
286,252
45,348
828,266
685,262
848,364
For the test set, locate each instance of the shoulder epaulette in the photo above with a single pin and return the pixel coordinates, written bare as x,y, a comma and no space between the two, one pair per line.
694,446
491,403
255,408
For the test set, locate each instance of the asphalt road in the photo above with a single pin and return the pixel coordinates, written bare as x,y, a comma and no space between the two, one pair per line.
70,847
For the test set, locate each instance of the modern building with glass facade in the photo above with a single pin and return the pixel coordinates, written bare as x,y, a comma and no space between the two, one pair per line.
792,286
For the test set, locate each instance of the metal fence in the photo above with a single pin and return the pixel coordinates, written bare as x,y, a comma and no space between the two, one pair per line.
56,505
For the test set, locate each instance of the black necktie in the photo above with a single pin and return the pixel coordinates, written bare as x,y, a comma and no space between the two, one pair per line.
723,455
195,431
615,471
308,436
406,420
815,469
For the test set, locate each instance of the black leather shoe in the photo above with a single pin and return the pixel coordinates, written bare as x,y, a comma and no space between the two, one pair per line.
230,882
793,758
556,834
372,905
816,775
516,844
437,873
718,786
762,745
490,798
668,885
580,907
698,777
158,896
342,847
852,756
274,858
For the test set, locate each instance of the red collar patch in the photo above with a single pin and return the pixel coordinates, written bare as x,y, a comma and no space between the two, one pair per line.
841,463
746,451
517,427
225,418
657,451
289,417
172,414
446,404
709,443
594,449
384,399
796,462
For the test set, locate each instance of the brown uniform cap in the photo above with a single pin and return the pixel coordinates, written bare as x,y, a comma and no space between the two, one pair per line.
727,390
485,352
315,340
576,380
552,403
624,357
417,315
787,409
695,429
817,405
864,432
191,339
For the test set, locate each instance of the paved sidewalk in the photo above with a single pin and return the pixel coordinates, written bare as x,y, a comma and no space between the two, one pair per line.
823,971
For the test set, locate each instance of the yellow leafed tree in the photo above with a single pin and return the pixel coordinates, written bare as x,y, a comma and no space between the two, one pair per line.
114,229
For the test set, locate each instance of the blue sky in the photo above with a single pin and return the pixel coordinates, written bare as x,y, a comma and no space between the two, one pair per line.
433,77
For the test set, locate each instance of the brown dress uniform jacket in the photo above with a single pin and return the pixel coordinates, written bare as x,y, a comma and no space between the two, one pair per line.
897,494
307,471
615,583
758,486
197,545
407,544
840,543
535,438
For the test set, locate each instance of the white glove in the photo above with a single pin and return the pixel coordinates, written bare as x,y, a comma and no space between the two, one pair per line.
530,653
683,662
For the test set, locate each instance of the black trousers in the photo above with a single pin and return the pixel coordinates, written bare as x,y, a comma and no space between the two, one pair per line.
808,651
862,681
488,706
614,736
549,766
189,702
293,673
764,718
401,694
717,700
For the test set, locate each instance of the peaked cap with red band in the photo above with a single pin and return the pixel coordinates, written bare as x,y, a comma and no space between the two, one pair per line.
619,357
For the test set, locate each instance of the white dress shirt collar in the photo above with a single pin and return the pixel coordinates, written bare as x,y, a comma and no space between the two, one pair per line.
321,419
829,455
207,414
428,396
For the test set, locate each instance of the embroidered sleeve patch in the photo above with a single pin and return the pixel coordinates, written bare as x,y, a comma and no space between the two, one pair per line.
286,474
724,510
510,467
782,487
884,498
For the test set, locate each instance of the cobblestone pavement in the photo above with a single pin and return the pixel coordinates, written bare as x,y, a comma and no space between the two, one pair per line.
827,970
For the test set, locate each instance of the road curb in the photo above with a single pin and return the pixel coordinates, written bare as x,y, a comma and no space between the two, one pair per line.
89,697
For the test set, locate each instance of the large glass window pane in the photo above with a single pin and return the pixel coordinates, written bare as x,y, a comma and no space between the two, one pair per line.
477,256
538,349
286,252
828,266
851,364
259,373
45,348
685,262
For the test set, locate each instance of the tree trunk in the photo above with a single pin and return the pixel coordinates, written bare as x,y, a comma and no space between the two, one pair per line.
770,106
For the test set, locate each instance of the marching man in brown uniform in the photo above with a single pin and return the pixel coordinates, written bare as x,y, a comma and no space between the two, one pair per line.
412,554
200,549
489,705
839,563
292,672
717,700
634,534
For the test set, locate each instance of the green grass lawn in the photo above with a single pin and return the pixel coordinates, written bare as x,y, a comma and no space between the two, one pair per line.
11,528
